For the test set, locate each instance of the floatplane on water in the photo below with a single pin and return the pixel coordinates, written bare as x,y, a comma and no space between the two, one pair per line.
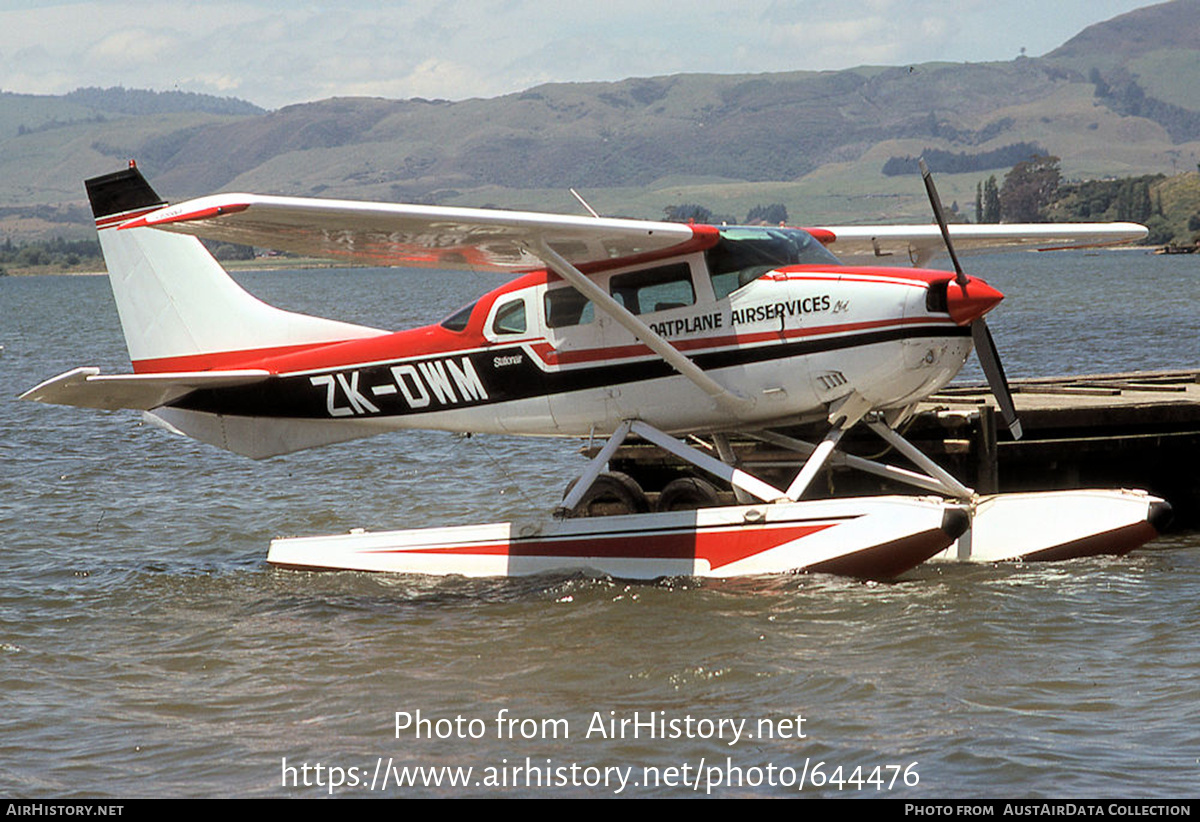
611,328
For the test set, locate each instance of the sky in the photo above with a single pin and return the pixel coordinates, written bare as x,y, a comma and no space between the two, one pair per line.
275,53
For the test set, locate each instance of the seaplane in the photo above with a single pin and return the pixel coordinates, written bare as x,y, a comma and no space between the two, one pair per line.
680,335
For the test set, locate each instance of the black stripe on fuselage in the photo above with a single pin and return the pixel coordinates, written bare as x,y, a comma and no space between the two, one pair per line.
494,375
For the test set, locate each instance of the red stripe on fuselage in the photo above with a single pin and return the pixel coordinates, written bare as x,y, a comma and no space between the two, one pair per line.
414,343
917,277
437,341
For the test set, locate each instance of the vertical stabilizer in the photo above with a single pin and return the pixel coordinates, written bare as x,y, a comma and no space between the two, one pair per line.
179,308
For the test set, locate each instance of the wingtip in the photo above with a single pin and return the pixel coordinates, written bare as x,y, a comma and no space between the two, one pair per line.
157,219
48,390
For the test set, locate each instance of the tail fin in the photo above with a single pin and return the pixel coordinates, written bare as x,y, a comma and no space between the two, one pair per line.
179,309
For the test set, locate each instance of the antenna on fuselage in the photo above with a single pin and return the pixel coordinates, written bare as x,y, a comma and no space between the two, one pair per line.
584,203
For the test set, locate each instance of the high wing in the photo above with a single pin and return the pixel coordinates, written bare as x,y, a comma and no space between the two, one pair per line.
921,243
477,239
413,235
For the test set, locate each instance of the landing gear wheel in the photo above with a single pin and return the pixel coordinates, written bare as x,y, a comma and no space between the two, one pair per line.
612,494
687,494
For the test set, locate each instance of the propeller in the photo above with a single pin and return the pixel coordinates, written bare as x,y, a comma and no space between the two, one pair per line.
985,346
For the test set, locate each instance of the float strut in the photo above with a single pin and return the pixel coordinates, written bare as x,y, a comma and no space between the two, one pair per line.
595,466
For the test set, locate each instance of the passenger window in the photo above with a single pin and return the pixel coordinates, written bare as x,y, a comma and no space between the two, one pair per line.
566,306
655,289
510,319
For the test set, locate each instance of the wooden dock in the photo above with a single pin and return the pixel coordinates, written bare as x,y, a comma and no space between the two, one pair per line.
1132,430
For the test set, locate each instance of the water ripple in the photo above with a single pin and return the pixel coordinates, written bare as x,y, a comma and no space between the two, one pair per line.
147,650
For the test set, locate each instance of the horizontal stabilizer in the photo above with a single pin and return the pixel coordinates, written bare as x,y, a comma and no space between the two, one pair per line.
87,388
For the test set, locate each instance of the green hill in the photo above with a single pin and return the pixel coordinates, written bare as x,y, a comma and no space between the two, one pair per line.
1119,99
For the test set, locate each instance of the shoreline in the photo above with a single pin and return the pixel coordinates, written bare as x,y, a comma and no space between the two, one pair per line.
304,263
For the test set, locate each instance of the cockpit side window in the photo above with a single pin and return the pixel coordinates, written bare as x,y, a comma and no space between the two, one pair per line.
510,318
744,254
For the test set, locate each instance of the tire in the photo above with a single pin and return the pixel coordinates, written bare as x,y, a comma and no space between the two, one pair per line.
687,494
612,494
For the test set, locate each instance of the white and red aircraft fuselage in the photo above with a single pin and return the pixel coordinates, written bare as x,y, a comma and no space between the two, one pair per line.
535,357
610,327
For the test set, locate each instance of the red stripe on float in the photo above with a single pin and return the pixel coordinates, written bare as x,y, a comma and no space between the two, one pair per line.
719,547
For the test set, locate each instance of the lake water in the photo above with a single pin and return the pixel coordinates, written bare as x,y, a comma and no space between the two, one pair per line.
147,650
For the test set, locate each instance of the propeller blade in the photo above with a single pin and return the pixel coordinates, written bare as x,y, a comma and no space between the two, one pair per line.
936,203
989,358
985,346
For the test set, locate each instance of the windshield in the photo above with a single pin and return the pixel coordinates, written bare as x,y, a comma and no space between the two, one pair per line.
745,253
459,319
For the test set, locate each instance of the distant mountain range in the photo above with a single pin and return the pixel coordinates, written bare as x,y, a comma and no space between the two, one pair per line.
1121,98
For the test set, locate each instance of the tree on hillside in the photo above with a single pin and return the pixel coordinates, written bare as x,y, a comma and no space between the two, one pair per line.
688,212
1028,188
1091,200
773,214
1133,200
990,210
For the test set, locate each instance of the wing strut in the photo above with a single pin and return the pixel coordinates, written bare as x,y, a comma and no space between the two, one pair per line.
729,400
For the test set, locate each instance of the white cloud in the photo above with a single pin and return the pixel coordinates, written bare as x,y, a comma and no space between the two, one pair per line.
274,53
133,48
